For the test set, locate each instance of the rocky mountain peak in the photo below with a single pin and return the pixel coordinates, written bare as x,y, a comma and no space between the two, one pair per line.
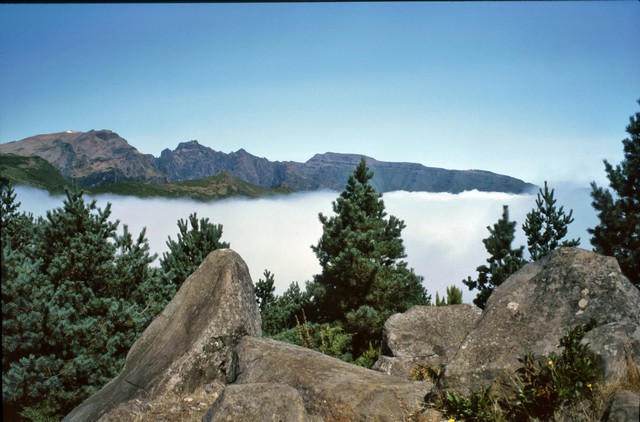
100,157
193,144
339,158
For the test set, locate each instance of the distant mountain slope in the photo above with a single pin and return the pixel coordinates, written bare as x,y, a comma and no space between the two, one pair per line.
31,171
98,158
220,186
333,169
94,158
37,172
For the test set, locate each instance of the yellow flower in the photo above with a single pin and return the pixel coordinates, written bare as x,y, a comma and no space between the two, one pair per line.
451,420
550,363
589,385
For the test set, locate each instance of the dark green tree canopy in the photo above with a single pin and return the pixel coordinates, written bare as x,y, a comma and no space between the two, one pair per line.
546,226
618,232
191,248
265,290
502,262
75,296
363,278
453,297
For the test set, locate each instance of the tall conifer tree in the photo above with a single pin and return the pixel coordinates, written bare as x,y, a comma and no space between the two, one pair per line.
502,262
618,232
75,297
193,245
546,226
364,279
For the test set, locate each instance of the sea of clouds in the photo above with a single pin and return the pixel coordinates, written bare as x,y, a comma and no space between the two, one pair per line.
442,238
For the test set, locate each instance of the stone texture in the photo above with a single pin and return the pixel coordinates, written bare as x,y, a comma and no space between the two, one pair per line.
625,407
258,402
190,344
330,388
424,335
537,305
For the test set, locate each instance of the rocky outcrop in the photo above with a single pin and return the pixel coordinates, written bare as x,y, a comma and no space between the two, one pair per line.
189,346
625,407
258,402
329,389
203,357
539,304
426,336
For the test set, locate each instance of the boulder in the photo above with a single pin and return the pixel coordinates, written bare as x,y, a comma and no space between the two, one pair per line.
424,335
188,347
258,402
538,305
625,407
330,389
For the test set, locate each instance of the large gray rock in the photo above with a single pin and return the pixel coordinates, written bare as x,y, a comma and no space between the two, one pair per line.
330,389
537,305
625,407
424,335
258,402
189,346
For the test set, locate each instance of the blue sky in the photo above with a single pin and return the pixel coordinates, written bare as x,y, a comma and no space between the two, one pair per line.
536,90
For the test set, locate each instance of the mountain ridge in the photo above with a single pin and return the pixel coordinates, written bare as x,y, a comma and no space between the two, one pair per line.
102,157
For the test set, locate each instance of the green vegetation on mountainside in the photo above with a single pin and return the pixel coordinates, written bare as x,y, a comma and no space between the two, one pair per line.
37,172
31,171
220,186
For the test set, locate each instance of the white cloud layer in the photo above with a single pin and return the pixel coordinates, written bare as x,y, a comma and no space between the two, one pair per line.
443,234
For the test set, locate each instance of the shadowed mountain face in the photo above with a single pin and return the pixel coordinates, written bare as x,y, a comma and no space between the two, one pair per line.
102,157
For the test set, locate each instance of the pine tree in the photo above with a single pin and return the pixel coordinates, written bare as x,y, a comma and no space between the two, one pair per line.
76,296
192,247
545,226
280,312
264,290
364,279
16,227
618,232
454,297
502,262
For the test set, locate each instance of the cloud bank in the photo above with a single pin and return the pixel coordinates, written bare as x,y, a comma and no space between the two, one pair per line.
442,238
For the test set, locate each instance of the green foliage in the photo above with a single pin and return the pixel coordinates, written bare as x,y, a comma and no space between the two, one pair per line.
454,297
220,186
30,171
369,357
75,296
264,291
477,406
546,226
502,262
618,231
335,342
547,384
543,388
363,278
192,247
279,312
330,339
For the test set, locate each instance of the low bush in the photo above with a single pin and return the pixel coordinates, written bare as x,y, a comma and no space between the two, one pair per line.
546,387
